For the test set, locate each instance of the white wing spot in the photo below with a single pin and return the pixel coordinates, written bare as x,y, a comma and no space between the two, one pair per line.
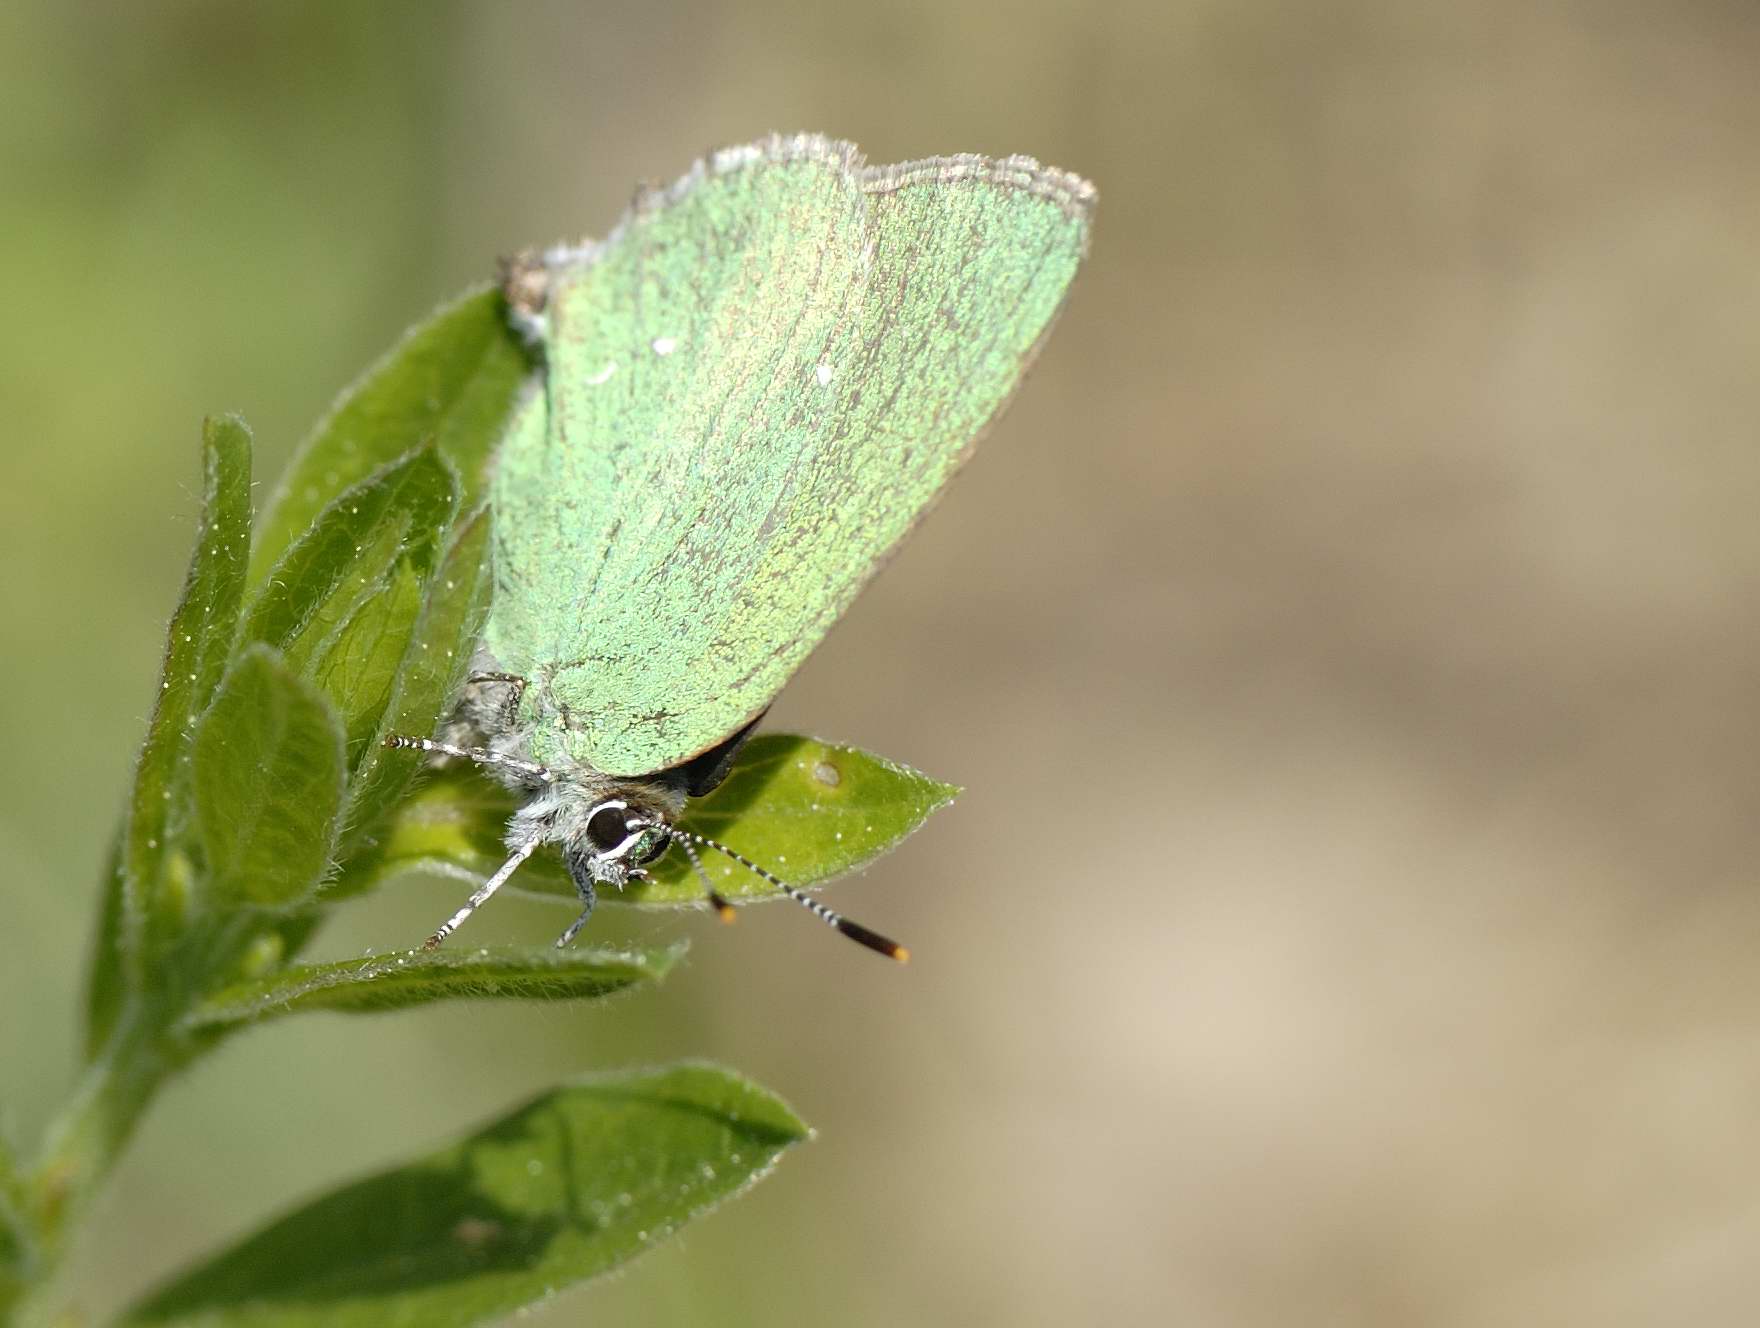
823,374
604,375
665,345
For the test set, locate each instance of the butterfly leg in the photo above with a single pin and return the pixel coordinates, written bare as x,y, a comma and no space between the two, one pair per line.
529,770
487,704
482,893
588,897
518,683
516,688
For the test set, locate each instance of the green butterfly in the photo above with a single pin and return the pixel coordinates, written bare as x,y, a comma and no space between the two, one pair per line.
753,388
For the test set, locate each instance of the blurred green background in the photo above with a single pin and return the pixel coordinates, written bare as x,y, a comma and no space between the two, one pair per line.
1348,642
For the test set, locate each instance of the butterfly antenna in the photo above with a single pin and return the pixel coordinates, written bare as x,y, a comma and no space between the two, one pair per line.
481,896
716,902
854,930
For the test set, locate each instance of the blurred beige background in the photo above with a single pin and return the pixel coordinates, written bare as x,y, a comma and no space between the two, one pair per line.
1348,643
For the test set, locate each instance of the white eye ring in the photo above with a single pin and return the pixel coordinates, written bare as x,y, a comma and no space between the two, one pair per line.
636,827
619,849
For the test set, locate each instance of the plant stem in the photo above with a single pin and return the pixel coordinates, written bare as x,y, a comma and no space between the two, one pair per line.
142,1049
85,1139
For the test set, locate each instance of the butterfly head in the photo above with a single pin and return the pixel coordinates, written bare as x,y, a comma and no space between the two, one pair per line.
615,839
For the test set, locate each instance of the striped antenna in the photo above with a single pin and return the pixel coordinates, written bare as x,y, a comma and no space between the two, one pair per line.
716,902
854,930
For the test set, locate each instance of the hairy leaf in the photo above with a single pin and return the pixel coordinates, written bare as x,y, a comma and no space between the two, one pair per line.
343,603
434,662
268,783
417,977
566,1188
451,382
196,648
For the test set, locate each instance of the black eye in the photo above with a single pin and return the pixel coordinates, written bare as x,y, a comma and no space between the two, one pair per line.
608,828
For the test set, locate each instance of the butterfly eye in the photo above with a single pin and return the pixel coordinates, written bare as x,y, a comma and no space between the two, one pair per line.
608,827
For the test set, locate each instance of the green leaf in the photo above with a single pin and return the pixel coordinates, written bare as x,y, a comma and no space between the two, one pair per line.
808,810
433,667
358,670
566,1188
451,382
197,646
417,977
342,604
268,783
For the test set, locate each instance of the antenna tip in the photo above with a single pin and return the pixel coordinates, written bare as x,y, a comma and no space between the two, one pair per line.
724,911
872,939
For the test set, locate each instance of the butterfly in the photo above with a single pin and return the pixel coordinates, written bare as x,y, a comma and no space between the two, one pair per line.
752,388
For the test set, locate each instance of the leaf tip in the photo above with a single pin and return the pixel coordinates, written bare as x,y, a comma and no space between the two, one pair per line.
225,419
659,963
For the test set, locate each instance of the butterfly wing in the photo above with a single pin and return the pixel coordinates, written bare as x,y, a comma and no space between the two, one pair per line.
755,386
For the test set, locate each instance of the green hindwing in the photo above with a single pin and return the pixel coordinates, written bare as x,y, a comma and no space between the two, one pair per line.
755,386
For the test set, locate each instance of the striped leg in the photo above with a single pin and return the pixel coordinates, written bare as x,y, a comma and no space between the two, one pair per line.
481,896
477,755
